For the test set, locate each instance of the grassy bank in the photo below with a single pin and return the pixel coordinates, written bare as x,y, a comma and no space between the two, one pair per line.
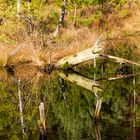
32,30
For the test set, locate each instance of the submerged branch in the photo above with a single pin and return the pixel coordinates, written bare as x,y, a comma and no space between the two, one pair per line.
122,76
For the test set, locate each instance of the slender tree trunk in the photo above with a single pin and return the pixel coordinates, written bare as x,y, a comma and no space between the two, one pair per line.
18,7
94,68
63,12
75,12
61,20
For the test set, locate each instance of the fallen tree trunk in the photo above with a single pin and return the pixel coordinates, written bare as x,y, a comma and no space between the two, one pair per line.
81,81
80,57
86,55
89,54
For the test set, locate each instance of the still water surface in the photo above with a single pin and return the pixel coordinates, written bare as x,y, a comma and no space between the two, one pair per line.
69,108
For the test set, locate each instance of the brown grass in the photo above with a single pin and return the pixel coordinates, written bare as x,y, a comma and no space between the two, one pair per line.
118,29
71,41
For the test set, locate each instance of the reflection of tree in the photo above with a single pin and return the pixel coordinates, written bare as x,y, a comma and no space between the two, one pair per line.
63,90
42,118
81,81
97,132
87,83
70,122
20,106
75,118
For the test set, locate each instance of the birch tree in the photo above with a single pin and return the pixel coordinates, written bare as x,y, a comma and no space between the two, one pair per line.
61,20
18,7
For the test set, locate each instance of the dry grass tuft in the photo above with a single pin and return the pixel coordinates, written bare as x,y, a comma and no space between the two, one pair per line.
71,41
26,53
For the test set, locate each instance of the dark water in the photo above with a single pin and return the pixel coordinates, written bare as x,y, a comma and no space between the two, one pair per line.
69,108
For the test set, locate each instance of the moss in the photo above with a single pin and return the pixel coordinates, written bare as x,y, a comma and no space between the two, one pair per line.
124,13
93,18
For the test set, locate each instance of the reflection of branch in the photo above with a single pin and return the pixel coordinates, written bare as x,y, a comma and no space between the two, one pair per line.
97,133
98,108
63,90
123,76
134,128
20,107
41,121
119,77
81,81
36,80
87,84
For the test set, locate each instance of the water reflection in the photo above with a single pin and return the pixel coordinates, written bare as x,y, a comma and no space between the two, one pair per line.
63,106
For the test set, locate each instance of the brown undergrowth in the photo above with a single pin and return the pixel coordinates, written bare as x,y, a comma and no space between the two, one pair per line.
39,48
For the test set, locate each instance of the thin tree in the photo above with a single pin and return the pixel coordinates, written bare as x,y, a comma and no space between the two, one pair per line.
18,7
61,20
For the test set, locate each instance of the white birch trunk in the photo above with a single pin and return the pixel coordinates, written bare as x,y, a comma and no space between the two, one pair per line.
18,7
61,20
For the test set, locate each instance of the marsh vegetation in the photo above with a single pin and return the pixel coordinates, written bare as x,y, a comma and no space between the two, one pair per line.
69,69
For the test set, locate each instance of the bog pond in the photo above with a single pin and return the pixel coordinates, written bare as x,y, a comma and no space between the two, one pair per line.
68,100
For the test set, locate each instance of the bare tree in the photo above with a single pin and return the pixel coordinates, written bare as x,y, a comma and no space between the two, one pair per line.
18,7
61,20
